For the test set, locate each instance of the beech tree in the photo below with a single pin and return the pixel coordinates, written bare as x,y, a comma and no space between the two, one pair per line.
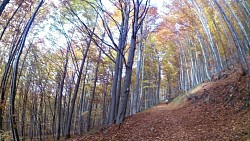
17,55
137,22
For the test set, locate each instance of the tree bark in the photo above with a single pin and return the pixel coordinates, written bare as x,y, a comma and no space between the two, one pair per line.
243,31
93,93
58,131
128,73
15,72
239,46
3,5
67,136
157,98
204,57
82,102
8,22
116,85
138,70
205,26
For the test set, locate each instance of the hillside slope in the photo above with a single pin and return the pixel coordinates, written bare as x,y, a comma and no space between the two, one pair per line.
215,111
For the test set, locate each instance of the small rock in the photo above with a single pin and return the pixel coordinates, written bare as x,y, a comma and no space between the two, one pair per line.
231,89
206,100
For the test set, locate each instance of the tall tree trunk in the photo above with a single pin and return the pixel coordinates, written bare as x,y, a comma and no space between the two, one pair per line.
243,31
204,56
128,73
67,136
15,72
114,88
8,22
116,85
158,81
23,114
182,79
239,46
59,117
127,81
243,5
54,109
226,34
93,93
82,102
119,83
103,121
142,83
6,76
187,79
138,70
222,44
205,26
67,103
40,113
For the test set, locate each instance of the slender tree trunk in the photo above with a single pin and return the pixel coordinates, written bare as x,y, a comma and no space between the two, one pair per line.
138,70
114,88
116,85
205,26
5,78
23,115
169,88
142,83
243,16
243,5
128,73
103,121
217,44
67,136
58,131
67,104
158,81
3,5
204,56
182,79
239,46
226,35
119,82
196,66
82,101
127,81
15,72
40,113
93,93
240,25
187,84
54,114
8,22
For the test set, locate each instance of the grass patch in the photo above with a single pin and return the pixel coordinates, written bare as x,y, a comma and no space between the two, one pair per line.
182,98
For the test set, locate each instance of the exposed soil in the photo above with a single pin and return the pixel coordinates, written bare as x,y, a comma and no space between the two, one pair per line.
216,111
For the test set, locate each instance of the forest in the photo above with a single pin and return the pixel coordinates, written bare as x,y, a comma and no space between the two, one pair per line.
72,67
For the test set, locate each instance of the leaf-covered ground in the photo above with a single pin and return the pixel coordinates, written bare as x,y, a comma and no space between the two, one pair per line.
215,111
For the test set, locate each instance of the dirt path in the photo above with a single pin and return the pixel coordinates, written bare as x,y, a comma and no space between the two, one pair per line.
178,124
195,120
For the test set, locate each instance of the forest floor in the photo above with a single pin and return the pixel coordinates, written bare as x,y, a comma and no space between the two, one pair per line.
214,111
